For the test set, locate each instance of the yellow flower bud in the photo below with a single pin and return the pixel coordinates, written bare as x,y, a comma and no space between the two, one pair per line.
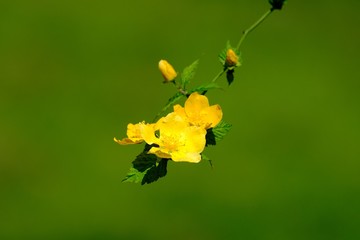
231,58
167,71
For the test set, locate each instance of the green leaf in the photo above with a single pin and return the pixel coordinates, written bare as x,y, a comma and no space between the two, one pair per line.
144,161
221,130
210,137
214,135
206,158
205,87
134,176
222,55
155,172
230,76
146,168
188,74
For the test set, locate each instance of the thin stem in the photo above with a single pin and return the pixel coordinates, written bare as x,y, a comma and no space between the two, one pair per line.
215,78
161,112
184,93
252,27
170,103
179,88
219,75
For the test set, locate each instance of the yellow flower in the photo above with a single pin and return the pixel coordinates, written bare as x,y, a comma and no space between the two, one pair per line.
231,58
135,133
181,135
198,112
177,139
167,71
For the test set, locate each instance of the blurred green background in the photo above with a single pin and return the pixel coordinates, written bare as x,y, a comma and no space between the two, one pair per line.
74,73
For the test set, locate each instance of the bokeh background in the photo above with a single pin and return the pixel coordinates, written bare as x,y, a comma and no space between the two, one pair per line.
74,73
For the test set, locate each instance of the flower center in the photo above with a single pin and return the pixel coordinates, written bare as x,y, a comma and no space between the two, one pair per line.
171,142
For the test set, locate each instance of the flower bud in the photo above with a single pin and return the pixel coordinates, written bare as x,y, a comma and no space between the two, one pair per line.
277,4
167,71
231,58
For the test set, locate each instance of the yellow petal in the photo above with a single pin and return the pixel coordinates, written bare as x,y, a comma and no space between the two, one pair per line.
195,103
195,139
194,145
127,141
186,157
179,110
199,112
172,122
148,134
231,58
159,153
134,131
214,115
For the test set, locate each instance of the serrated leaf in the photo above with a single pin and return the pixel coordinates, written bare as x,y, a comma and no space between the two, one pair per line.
188,74
214,135
146,168
155,172
204,88
222,57
222,54
144,161
134,176
221,130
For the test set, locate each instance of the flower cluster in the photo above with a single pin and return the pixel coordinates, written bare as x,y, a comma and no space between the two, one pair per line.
180,135
183,134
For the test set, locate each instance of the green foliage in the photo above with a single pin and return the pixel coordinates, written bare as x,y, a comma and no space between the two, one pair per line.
205,87
230,76
155,172
221,130
144,161
206,158
146,168
188,74
277,4
214,135
210,137
222,55
229,69
169,104
134,176
174,99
